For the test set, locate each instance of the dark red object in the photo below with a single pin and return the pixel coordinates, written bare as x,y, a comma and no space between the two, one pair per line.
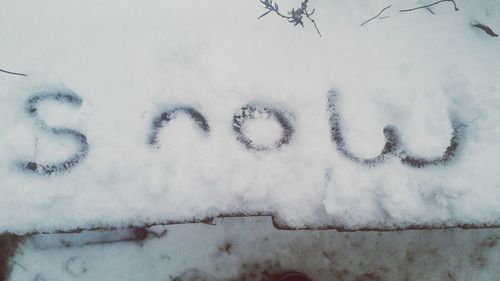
293,276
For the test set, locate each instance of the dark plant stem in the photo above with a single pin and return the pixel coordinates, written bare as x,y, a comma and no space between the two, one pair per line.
370,19
13,73
427,6
313,22
295,15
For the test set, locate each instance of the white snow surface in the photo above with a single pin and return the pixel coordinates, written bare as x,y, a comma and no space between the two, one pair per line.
250,249
129,61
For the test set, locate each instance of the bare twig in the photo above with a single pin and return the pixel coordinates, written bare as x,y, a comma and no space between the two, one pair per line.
294,16
486,29
427,6
265,14
272,8
430,11
13,73
313,21
370,19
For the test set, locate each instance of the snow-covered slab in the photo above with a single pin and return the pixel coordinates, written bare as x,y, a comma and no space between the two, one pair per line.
251,249
170,111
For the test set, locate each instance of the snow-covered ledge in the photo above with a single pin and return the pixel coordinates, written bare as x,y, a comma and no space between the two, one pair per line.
152,112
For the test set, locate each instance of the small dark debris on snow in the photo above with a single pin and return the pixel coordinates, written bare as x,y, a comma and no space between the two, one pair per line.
486,29
226,248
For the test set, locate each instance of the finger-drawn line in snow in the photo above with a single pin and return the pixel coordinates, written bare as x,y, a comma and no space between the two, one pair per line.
67,97
393,145
251,111
448,155
166,116
392,142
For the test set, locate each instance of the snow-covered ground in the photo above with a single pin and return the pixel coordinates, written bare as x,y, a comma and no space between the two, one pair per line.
137,112
251,249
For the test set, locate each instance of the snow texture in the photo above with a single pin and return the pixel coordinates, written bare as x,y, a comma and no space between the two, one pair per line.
162,111
250,249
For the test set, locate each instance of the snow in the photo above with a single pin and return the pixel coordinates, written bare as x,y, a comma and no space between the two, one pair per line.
263,131
130,62
251,249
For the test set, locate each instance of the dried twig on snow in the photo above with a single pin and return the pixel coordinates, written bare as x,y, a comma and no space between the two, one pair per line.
13,73
370,19
294,16
427,6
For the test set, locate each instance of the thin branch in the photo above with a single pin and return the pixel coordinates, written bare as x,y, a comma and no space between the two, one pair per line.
315,26
370,19
294,16
13,73
273,8
430,11
312,20
427,6
264,14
